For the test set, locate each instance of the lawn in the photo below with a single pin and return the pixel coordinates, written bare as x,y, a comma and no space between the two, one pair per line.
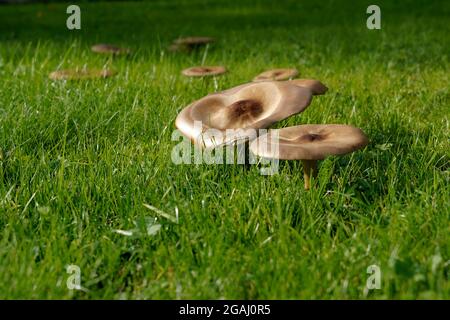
80,160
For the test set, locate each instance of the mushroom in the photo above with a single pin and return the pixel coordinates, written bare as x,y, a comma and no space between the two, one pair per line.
202,71
317,87
109,49
189,43
276,74
309,143
248,106
194,41
80,74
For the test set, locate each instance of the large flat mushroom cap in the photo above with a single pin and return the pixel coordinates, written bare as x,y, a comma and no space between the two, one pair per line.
309,142
317,87
81,74
248,106
203,71
276,74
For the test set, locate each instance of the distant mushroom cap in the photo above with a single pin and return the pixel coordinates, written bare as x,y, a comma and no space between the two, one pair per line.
202,71
248,106
193,41
81,74
109,49
309,142
276,74
316,86
189,43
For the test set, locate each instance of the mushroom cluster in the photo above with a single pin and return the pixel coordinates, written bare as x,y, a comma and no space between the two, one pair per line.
260,104
272,96
187,44
248,106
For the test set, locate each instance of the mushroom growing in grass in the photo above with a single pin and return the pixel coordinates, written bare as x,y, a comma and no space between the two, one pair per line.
248,106
317,87
276,75
109,49
189,43
309,143
203,71
194,41
81,74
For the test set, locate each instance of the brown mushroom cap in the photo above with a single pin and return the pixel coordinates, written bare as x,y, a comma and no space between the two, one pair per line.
248,106
276,74
189,43
81,74
193,41
316,86
109,49
309,142
202,71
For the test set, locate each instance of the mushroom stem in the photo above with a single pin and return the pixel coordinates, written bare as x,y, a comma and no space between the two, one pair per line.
309,170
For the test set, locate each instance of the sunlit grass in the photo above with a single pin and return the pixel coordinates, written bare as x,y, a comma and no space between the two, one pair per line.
78,160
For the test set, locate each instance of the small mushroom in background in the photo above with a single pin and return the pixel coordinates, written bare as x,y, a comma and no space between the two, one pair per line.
81,74
317,87
248,106
309,143
109,49
276,75
190,43
203,71
194,41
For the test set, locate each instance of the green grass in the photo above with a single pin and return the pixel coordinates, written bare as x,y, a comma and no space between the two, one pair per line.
80,159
